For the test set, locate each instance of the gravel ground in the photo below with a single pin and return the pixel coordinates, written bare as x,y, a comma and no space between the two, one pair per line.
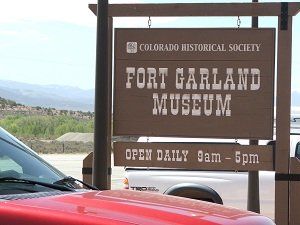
71,164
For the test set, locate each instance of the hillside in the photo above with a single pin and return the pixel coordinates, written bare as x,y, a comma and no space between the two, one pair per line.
62,97
38,127
48,96
9,107
295,99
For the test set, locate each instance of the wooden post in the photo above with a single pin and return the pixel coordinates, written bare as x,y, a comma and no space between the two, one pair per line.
283,111
87,168
253,202
102,155
295,192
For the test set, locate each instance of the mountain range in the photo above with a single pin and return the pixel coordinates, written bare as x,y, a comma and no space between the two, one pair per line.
48,96
62,97
295,99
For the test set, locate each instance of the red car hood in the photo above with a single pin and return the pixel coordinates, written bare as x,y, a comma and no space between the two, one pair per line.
121,207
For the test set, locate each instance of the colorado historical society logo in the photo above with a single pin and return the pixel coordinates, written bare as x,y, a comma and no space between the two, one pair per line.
131,47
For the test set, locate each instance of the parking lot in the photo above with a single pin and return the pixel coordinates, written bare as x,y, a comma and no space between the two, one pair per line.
71,165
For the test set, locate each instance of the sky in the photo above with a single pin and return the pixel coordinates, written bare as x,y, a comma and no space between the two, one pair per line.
54,41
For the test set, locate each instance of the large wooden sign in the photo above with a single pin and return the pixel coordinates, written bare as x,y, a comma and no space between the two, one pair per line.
194,156
194,82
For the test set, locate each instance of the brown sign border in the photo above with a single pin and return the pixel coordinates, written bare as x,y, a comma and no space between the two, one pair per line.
204,156
251,111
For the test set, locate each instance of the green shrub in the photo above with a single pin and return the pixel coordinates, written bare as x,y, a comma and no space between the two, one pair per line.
45,127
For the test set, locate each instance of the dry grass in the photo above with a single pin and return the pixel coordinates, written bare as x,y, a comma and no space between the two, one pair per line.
52,147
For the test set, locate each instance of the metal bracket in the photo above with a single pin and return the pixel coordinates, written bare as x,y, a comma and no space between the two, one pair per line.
284,17
87,170
287,177
109,171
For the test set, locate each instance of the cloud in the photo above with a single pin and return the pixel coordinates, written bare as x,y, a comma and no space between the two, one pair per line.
69,11
25,34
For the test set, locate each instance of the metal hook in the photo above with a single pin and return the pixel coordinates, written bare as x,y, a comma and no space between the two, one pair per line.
238,22
149,22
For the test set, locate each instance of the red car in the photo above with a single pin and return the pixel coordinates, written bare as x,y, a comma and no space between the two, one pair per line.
32,192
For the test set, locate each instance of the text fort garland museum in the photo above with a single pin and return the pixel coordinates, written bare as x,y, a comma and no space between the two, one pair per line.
207,79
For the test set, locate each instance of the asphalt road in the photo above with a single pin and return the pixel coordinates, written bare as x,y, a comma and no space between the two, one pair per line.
71,165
